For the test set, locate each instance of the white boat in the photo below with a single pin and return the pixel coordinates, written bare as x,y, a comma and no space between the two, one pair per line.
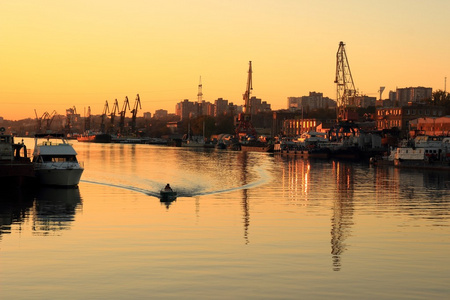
55,161
312,138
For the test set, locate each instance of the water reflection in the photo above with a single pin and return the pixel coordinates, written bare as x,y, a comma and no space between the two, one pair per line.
342,218
15,206
50,210
167,202
54,210
243,162
419,193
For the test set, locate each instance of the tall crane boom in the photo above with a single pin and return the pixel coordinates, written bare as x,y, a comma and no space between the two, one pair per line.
105,110
137,104
248,90
122,115
245,126
345,87
114,110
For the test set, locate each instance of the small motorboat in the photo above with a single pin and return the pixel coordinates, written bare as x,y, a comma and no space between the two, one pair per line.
168,194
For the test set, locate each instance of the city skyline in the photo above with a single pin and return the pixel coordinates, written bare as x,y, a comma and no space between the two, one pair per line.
64,54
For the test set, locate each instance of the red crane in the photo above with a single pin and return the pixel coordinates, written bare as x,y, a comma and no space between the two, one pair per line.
345,87
245,126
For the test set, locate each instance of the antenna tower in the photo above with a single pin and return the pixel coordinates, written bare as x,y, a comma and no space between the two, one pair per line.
200,93
381,90
199,97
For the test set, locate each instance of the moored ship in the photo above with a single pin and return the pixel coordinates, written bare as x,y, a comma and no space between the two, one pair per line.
16,169
95,138
55,161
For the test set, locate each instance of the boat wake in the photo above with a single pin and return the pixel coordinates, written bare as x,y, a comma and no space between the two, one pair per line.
264,177
191,191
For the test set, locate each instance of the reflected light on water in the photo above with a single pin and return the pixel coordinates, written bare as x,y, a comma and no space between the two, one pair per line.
250,225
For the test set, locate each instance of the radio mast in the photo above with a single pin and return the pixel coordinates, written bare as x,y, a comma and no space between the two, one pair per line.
200,98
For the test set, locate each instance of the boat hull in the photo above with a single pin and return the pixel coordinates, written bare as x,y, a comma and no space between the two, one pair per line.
168,195
59,177
95,138
422,164
16,173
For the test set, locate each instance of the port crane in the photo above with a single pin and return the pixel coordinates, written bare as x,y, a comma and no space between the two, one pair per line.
245,126
70,119
38,122
137,104
105,110
345,87
126,104
47,118
114,110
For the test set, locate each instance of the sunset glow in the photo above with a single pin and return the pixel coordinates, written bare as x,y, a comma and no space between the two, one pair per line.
58,54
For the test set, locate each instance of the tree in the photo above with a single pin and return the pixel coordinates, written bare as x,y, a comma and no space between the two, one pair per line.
441,98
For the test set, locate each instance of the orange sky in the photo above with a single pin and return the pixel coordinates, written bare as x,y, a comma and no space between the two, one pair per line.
58,54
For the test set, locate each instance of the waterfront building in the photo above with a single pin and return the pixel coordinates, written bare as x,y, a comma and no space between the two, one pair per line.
403,96
364,101
221,107
298,126
295,127
160,114
258,106
400,117
278,118
188,109
430,126
311,102
185,109
206,108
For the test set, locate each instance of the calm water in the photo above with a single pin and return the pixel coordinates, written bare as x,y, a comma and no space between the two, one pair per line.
245,226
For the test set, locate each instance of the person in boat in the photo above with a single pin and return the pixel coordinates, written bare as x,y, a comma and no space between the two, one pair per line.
168,188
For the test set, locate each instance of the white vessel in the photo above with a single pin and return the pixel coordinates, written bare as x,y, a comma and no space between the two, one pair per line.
55,161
